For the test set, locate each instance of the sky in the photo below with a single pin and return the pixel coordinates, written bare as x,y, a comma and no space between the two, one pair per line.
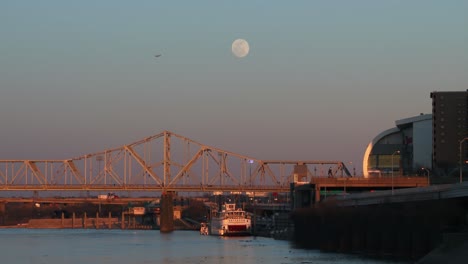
322,78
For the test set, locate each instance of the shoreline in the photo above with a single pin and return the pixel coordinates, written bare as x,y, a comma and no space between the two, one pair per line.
13,227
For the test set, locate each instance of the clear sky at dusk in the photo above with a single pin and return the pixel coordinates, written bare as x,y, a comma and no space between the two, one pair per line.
321,80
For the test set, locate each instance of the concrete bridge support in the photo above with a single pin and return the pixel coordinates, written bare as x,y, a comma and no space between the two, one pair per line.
167,213
2,213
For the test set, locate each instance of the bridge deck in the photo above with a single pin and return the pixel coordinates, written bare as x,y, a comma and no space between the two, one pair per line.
142,187
436,192
397,181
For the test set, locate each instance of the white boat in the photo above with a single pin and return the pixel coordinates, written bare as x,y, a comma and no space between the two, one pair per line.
230,222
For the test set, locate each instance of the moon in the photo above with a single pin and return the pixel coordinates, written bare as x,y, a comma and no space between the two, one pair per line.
240,48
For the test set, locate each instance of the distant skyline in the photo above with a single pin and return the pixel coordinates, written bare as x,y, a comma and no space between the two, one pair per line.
321,80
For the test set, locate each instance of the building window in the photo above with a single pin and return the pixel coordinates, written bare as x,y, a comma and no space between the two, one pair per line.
372,161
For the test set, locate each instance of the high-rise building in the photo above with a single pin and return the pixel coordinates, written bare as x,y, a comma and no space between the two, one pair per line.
449,128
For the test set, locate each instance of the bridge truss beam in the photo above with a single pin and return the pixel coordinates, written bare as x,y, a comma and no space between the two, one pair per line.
162,162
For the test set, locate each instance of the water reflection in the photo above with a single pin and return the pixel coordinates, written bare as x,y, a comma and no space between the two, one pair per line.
124,247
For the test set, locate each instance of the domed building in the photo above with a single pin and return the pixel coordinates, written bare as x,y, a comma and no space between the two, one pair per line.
405,149
434,145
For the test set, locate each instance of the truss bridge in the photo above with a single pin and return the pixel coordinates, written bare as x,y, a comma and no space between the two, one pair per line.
162,162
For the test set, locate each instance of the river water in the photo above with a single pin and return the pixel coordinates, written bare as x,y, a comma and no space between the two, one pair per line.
78,246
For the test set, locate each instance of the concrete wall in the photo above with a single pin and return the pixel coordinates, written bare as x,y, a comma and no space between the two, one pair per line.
98,223
405,231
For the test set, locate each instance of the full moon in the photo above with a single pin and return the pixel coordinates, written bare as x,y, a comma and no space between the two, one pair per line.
240,48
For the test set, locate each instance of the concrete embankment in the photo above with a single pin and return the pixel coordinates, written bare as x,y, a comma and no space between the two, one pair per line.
453,250
406,231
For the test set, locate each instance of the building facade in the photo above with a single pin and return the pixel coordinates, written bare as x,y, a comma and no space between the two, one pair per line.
450,127
429,144
402,150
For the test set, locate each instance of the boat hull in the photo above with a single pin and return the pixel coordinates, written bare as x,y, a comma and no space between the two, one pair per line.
221,228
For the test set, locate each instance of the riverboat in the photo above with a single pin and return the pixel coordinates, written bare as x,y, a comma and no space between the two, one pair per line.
230,221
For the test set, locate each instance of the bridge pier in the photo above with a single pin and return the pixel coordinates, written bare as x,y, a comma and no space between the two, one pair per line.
2,213
167,213
84,220
317,193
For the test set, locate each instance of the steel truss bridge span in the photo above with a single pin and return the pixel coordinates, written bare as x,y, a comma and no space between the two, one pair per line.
162,162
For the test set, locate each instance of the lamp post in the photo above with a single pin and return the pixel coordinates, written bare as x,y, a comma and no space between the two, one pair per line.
396,152
461,164
426,170
250,170
254,203
351,164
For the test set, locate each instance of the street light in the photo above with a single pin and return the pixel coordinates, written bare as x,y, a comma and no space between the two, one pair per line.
354,171
461,164
427,170
250,171
396,152
254,203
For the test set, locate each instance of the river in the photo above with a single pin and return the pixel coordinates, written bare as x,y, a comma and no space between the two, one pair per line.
78,246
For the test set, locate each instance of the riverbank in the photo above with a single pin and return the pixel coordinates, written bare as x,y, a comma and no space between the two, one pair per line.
21,213
405,232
